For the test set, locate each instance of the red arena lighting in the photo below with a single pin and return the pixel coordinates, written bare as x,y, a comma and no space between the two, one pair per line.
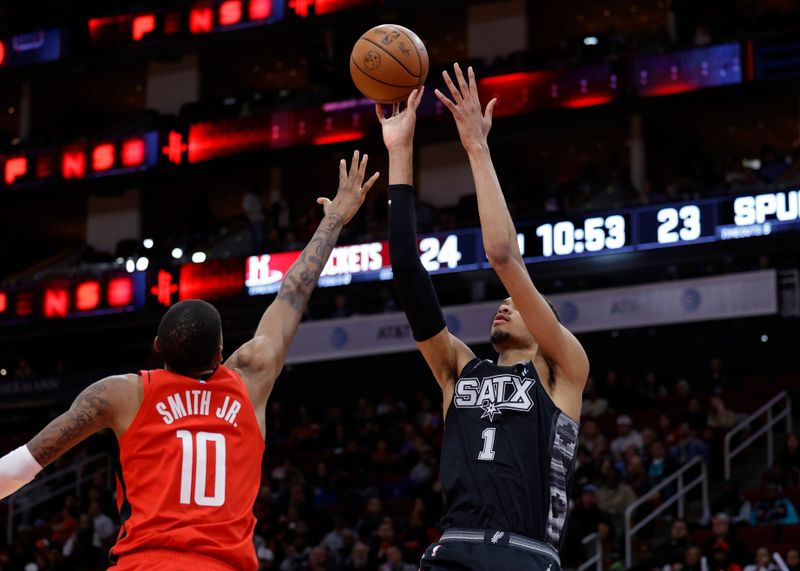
24,304
103,157
260,9
56,302
230,12
15,168
133,151
87,296
143,25
120,292
201,20
3,302
73,164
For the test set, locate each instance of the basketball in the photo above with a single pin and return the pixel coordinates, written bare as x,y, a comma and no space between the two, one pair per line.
388,62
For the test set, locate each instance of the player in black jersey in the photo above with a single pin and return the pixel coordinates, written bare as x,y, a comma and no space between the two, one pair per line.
511,428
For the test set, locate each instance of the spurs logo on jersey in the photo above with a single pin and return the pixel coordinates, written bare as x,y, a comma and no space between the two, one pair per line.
494,394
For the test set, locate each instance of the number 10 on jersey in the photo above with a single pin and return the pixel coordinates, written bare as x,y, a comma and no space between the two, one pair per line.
197,464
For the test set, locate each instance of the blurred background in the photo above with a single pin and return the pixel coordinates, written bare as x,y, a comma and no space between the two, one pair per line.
650,154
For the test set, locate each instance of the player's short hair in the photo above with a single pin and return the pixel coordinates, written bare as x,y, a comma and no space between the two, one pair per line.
189,335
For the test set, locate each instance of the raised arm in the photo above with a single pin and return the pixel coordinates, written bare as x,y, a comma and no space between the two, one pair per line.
261,359
109,403
500,236
445,354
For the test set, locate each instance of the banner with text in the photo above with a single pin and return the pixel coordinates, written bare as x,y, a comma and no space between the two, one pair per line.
705,299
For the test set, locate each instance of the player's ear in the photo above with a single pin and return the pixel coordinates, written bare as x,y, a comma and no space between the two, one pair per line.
155,345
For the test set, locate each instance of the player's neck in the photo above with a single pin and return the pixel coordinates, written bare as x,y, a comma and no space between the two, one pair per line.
509,357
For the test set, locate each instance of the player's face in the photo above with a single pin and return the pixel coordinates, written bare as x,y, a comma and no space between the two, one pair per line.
508,328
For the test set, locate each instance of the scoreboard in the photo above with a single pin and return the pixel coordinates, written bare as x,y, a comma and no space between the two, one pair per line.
638,229
625,230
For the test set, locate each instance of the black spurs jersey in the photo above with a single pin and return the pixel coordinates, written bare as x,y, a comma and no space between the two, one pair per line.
508,454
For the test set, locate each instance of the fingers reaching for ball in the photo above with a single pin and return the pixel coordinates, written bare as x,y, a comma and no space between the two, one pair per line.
473,123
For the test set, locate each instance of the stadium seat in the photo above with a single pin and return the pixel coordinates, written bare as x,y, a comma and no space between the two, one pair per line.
758,536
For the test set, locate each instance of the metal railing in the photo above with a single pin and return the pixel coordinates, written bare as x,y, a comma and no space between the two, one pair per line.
595,560
52,485
683,488
772,420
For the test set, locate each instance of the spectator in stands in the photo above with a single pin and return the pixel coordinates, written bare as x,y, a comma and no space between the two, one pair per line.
84,548
772,164
695,416
774,508
666,431
738,177
585,518
103,525
424,471
737,550
592,439
688,446
645,558
636,475
789,460
651,390
793,560
253,208
334,539
593,406
586,470
691,559
318,560
733,504
720,416
358,560
394,561
660,465
381,541
720,558
64,523
615,392
718,379
763,561
615,496
683,389
626,436
678,543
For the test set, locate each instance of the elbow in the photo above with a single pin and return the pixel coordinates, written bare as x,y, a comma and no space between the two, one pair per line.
500,256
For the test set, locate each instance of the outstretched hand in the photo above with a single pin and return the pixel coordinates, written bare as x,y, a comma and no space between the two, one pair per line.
473,124
398,128
352,189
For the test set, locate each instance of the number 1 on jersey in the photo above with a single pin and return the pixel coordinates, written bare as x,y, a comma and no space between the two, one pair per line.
488,444
200,443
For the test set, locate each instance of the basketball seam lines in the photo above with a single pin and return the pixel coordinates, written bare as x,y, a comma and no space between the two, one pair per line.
391,55
380,81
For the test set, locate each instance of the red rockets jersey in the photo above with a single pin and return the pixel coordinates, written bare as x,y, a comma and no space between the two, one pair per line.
190,470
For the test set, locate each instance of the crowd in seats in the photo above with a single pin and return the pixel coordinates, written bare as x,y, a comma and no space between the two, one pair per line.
355,487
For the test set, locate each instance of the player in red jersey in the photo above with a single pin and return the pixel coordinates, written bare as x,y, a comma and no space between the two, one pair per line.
191,435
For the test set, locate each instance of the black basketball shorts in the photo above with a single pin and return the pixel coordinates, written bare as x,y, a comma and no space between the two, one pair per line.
488,550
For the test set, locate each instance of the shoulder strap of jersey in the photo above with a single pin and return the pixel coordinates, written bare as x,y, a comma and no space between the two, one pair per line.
471,366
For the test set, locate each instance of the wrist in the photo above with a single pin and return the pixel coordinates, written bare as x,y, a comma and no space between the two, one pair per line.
401,166
477,149
334,218
401,150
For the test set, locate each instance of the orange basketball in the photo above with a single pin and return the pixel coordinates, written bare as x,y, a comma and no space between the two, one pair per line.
388,62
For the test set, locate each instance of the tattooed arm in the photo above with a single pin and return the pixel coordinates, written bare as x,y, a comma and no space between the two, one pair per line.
261,359
108,403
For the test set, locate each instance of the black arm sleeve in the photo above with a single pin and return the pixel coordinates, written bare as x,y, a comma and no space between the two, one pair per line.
410,278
